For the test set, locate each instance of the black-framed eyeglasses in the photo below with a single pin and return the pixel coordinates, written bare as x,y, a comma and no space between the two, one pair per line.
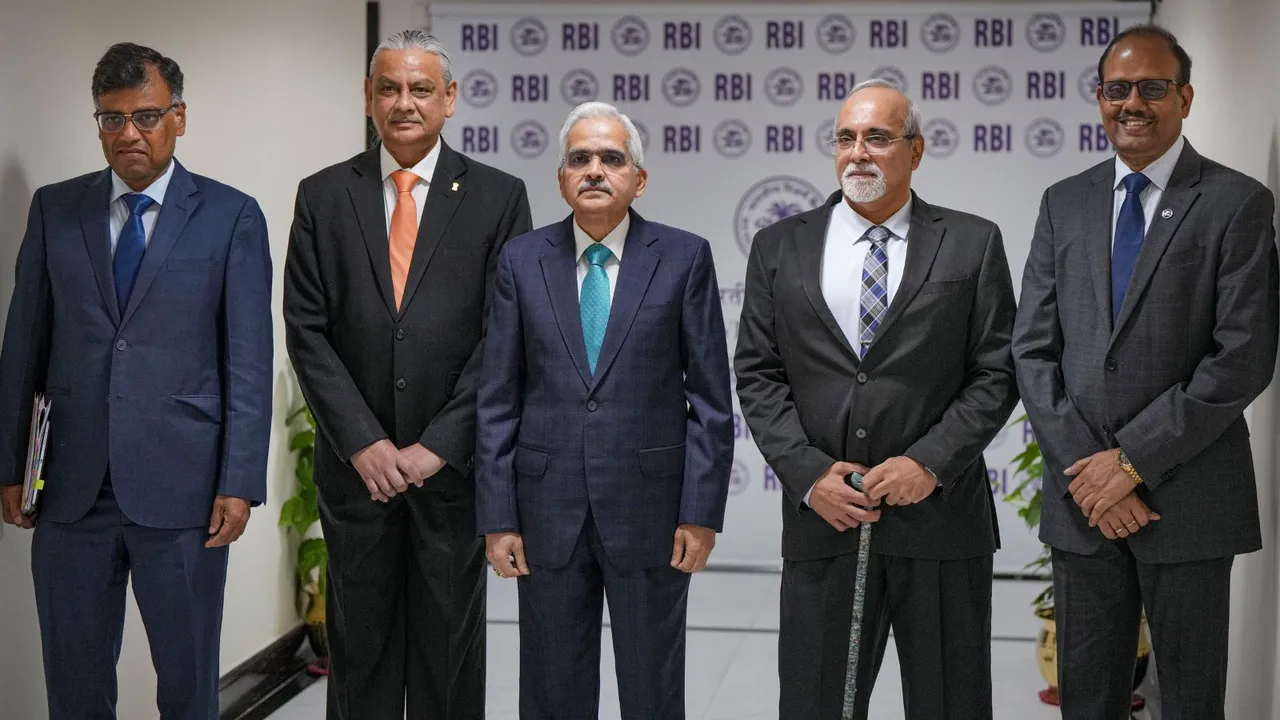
579,159
145,120
874,144
1152,89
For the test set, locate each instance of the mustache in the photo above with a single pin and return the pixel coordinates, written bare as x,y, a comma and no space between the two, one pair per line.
412,117
867,167
601,185
1126,116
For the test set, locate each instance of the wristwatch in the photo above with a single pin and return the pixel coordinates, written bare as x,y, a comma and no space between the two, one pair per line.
1127,466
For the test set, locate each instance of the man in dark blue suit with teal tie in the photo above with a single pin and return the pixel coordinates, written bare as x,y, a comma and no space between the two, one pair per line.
605,432
142,309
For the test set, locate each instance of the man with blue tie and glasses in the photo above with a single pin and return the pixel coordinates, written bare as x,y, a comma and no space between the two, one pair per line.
142,309
1147,325
605,432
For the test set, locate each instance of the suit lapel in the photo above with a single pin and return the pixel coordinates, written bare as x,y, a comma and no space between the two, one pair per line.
924,238
94,222
442,202
809,239
1099,199
1174,202
634,273
560,273
365,192
180,202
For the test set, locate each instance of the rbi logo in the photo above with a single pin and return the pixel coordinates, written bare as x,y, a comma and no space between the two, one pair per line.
1045,138
892,75
826,133
941,138
783,87
733,35
992,85
529,36
835,34
579,86
681,87
739,479
940,32
769,201
529,139
479,88
1046,32
732,138
630,35
643,132
1088,84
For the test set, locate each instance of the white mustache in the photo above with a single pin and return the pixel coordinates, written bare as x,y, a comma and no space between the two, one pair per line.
602,185
868,167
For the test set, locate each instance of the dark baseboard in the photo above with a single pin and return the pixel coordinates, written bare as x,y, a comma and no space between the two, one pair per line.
262,684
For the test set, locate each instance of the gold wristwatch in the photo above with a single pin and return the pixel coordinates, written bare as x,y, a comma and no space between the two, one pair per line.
1127,466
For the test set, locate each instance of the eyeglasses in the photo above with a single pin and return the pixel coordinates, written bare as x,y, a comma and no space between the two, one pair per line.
873,144
579,159
1119,90
145,120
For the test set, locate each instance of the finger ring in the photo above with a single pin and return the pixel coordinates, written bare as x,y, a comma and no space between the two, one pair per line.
497,572
1130,524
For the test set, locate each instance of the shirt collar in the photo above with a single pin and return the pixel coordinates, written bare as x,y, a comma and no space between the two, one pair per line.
156,190
425,168
1157,172
899,223
616,238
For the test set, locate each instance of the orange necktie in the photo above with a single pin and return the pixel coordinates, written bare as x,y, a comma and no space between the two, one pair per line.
404,231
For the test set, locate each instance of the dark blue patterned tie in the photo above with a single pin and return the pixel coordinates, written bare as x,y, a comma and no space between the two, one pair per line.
1130,229
875,288
130,247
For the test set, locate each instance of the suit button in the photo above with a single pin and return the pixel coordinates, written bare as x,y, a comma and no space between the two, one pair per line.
121,345
860,434
402,384
591,406
1112,364
862,377
399,333
1106,429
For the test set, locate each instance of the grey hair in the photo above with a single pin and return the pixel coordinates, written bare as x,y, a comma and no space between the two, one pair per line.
414,39
915,117
591,110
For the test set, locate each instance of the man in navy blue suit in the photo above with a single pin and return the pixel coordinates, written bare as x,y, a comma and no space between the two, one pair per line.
142,309
605,432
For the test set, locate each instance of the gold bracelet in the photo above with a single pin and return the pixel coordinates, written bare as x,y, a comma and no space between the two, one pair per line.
1128,467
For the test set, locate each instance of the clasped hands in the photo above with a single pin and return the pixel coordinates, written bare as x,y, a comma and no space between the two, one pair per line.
388,471
1107,495
896,481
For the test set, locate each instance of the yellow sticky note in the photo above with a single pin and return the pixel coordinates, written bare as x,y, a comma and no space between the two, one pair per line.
39,484
455,187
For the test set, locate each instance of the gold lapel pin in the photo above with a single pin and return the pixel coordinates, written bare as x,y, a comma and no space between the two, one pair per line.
455,187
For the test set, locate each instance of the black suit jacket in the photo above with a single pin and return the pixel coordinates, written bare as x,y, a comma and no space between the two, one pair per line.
1194,344
936,385
367,371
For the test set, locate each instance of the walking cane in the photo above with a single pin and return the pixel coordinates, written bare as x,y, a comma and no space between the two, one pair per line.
859,602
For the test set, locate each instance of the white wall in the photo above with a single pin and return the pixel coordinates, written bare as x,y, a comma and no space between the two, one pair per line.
274,92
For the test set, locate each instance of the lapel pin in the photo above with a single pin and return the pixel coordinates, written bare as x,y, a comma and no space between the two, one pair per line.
1166,213
455,189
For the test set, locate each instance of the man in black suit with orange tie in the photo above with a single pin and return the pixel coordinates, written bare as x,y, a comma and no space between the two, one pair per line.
386,288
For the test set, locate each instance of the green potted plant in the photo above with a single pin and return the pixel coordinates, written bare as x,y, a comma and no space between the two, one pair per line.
1029,472
298,514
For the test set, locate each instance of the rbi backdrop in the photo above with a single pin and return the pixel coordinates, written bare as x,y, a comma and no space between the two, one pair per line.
734,103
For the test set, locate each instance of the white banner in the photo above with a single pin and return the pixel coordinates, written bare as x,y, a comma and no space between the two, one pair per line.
735,101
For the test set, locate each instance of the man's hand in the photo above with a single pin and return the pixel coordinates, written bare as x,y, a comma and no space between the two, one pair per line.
379,469
506,554
11,504
899,481
1126,517
692,548
418,464
1099,484
230,516
840,505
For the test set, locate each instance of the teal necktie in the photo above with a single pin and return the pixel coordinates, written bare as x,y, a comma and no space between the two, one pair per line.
593,303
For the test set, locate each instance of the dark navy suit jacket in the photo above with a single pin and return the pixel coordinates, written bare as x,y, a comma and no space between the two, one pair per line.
647,443
172,392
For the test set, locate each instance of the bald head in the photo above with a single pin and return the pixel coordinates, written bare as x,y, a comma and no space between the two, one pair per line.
906,114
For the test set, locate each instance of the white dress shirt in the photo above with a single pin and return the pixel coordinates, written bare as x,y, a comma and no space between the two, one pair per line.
118,210
1158,173
616,238
425,168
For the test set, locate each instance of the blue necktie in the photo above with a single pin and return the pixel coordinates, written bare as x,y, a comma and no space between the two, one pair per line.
593,303
1130,229
130,247
875,288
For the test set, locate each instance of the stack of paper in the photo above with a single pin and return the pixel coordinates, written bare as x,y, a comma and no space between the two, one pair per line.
33,480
